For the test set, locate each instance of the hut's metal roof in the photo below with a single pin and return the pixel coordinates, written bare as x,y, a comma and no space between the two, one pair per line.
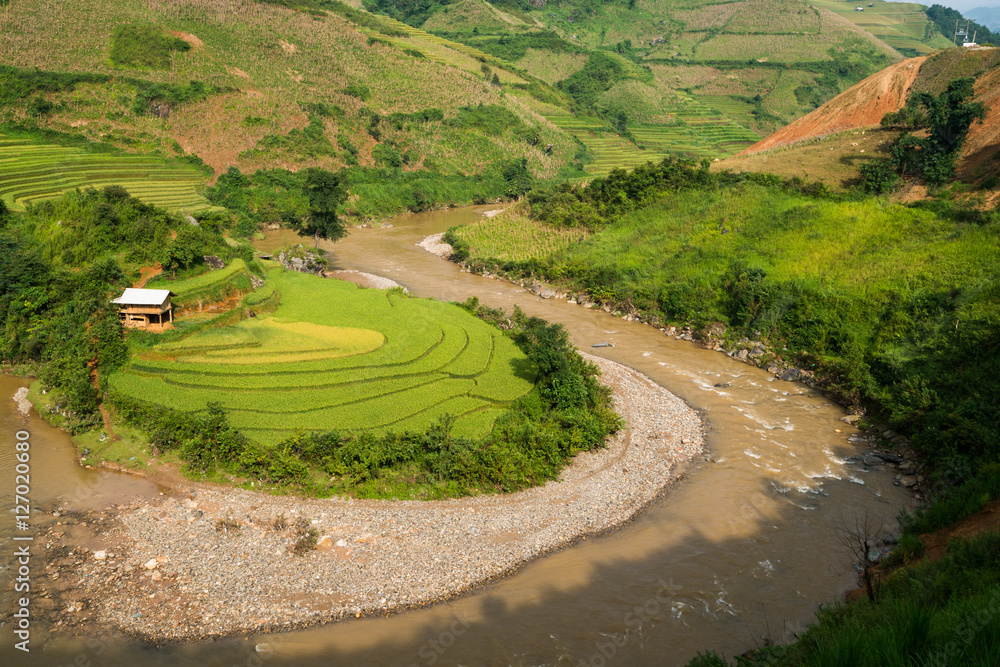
143,297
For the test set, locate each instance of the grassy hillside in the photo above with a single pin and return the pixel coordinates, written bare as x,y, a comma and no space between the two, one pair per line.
704,79
902,25
319,83
865,290
280,87
811,150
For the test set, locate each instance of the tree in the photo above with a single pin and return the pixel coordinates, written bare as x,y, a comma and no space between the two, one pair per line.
326,194
859,536
948,119
944,19
183,251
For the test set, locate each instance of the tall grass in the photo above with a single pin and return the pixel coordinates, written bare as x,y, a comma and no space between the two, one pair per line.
512,235
897,305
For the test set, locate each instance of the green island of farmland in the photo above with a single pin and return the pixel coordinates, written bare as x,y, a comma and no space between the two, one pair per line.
333,357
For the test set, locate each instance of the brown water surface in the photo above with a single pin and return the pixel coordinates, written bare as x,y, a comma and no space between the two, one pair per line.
743,549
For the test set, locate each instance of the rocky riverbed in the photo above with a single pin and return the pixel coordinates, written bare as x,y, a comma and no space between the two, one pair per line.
206,560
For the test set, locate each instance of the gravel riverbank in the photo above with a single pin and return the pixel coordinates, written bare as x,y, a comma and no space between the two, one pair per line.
163,570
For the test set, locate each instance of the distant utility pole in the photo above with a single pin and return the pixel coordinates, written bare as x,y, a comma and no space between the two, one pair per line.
961,30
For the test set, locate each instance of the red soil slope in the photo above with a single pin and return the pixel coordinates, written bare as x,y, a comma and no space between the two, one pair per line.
983,143
861,105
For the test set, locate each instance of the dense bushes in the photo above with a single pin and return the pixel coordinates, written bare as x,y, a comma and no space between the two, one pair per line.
17,84
63,262
896,305
947,118
277,195
945,18
514,47
597,76
603,199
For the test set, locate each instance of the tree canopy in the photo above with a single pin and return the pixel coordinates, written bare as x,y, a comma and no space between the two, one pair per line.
325,193
948,117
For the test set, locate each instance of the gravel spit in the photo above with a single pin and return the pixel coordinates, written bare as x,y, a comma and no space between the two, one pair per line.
363,279
375,556
23,404
433,245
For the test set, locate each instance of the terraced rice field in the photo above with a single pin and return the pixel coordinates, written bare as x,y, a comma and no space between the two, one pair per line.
335,357
31,172
901,25
703,132
201,281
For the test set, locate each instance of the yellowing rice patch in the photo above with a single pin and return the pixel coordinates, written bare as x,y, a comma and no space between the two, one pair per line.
335,357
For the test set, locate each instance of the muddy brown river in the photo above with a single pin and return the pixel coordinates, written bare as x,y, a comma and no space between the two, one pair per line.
742,551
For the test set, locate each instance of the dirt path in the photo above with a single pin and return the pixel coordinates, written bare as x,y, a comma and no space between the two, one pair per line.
95,381
935,544
147,273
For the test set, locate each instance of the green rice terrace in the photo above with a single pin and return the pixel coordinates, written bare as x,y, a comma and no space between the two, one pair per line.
902,25
336,357
698,131
32,172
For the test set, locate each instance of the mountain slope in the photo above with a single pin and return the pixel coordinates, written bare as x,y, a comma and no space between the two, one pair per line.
861,105
829,143
290,88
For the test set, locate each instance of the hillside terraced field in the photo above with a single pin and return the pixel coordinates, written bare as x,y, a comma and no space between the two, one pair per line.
902,25
702,132
31,172
335,357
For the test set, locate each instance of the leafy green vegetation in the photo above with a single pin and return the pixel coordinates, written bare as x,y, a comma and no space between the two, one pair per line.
965,498
896,305
278,195
947,118
144,47
18,84
944,19
65,260
513,47
598,75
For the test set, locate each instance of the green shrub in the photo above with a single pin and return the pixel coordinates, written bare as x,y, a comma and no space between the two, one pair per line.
878,177
958,502
143,47
387,156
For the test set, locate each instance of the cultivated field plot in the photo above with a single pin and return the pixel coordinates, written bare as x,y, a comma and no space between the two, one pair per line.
902,25
336,357
31,172
513,235
702,132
